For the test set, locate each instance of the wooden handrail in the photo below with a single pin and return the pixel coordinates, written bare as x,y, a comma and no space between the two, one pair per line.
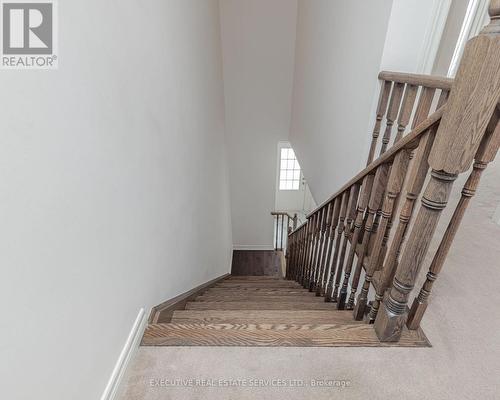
430,81
281,213
410,141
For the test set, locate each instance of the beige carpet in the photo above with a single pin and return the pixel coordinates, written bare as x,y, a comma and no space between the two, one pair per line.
462,323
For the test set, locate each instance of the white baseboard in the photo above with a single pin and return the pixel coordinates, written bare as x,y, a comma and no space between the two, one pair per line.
129,349
252,247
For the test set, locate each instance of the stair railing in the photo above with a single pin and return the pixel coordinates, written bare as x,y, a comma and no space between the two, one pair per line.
284,224
451,124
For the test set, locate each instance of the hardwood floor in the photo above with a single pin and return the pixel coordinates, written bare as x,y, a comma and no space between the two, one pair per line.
256,262
266,311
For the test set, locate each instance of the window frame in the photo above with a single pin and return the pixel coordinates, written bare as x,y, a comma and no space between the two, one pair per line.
290,167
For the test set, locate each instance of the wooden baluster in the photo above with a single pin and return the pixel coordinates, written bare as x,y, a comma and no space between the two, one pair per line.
315,249
282,225
344,201
314,264
288,233
403,121
424,106
333,225
295,238
443,98
296,252
291,243
394,186
299,245
392,114
310,255
385,90
472,102
276,234
416,180
287,259
351,213
322,251
406,110
486,154
340,227
364,197
307,251
375,202
285,230
326,236
334,210
300,254
322,221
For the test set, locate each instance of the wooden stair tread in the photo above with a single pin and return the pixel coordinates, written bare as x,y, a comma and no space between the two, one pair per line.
257,298
268,291
260,284
303,335
255,305
253,278
263,316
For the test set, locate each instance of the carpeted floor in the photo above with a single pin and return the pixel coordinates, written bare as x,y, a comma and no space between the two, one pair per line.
462,323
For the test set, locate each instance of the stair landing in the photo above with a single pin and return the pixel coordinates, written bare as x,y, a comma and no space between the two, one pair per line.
265,311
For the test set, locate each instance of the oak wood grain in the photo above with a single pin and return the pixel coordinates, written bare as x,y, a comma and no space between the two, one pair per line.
257,305
263,316
295,335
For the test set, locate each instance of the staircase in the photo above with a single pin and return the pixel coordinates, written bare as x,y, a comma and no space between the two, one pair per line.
353,268
266,311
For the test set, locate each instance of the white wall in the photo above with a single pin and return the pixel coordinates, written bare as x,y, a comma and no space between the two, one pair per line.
114,192
450,36
258,40
338,52
413,35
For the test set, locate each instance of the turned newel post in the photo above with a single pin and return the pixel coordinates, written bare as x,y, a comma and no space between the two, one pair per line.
472,102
